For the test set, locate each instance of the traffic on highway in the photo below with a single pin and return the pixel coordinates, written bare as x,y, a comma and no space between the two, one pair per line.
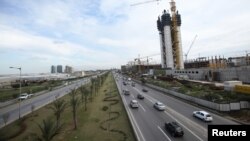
38,101
164,118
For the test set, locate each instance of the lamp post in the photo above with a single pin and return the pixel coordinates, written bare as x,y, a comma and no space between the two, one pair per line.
20,90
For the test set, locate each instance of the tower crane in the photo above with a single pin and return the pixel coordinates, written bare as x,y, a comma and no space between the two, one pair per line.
149,1
139,60
190,47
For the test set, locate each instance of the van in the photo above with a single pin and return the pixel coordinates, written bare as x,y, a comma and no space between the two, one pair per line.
134,104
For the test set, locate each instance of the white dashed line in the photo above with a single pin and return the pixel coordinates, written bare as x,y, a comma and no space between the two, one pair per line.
184,126
142,108
164,133
152,99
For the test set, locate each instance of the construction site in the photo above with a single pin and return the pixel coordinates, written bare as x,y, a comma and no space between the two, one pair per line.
215,69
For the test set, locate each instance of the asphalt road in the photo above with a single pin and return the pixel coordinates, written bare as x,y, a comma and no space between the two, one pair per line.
149,123
38,101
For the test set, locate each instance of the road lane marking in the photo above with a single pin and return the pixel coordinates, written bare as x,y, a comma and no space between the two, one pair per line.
142,108
152,99
144,95
134,120
134,123
164,133
194,124
184,126
139,103
179,115
133,96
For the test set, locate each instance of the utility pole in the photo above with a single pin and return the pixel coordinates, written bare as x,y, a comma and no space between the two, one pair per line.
20,89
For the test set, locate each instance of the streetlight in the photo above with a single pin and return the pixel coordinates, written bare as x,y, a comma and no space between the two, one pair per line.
20,90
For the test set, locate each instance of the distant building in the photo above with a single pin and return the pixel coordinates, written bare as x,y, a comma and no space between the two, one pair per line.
79,73
59,69
123,68
87,73
53,69
68,69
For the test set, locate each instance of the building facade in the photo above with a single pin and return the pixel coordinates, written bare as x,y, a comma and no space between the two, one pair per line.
53,69
59,69
68,69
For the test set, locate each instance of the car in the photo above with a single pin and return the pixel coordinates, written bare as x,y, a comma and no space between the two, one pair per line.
174,129
159,106
23,96
133,84
140,96
126,92
134,104
144,90
203,115
30,95
124,83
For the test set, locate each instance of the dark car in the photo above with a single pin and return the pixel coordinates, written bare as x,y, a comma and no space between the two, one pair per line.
139,96
124,83
174,129
133,84
144,90
126,92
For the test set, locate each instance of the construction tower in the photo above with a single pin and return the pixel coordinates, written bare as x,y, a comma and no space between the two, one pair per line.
170,38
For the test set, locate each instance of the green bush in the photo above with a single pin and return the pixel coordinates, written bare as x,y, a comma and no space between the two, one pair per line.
14,95
105,108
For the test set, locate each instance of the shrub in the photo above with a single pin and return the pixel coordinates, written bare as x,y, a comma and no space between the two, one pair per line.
105,108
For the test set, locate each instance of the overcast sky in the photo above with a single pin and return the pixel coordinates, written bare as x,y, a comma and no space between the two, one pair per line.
101,34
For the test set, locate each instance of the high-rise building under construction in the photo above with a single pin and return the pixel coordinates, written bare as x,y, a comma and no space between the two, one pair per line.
170,39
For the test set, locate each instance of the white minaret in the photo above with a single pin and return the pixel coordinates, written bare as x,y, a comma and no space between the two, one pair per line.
164,27
162,44
166,20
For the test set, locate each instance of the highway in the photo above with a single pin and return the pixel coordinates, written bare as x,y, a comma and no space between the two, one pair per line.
38,101
148,122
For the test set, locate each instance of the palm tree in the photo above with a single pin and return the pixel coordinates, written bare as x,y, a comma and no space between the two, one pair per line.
85,93
58,107
96,86
49,130
92,88
99,81
74,103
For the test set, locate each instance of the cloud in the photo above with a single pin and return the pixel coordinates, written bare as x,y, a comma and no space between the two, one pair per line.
105,33
17,39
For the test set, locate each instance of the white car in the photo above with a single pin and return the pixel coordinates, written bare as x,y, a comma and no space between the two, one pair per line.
23,96
30,95
159,106
203,115
134,104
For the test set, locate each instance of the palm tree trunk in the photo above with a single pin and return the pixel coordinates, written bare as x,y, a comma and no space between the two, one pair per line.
74,117
85,103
